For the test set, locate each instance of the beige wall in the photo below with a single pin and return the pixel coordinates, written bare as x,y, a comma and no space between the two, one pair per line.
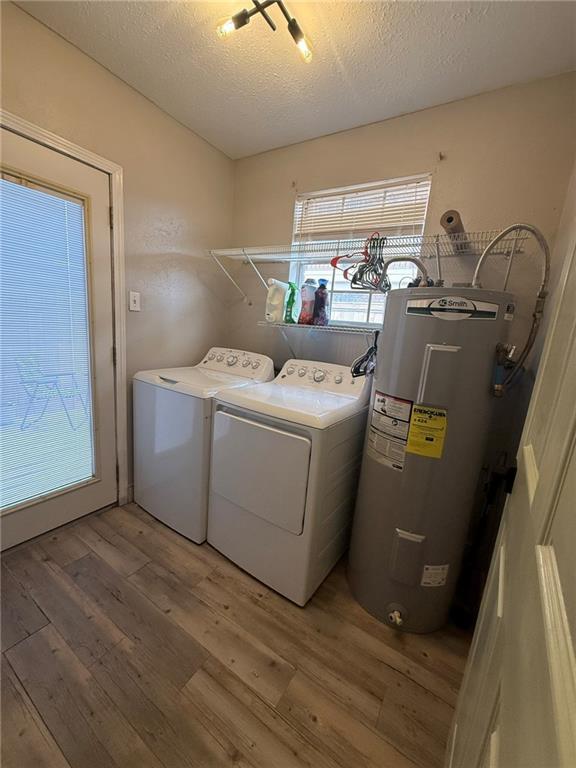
178,189
507,158
564,246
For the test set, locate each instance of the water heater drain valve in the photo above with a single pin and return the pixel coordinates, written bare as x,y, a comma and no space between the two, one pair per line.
395,617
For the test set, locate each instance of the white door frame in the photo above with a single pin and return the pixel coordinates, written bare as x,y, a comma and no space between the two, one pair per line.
33,132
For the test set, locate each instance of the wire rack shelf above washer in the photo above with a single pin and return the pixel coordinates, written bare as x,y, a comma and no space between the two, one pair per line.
365,330
466,244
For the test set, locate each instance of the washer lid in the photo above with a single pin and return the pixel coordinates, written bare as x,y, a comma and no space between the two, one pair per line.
192,381
299,405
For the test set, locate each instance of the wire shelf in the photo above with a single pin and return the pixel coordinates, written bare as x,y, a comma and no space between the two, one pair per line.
449,259
363,329
468,244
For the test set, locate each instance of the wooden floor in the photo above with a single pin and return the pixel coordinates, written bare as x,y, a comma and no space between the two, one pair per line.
126,645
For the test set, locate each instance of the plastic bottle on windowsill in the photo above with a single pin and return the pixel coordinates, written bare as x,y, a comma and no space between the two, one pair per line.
290,303
321,314
275,300
307,294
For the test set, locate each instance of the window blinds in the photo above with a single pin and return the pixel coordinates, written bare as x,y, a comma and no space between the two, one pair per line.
46,441
392,208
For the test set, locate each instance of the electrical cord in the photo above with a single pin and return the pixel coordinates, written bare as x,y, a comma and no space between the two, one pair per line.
366,363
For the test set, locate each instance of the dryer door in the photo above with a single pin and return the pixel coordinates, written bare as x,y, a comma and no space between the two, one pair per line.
262,469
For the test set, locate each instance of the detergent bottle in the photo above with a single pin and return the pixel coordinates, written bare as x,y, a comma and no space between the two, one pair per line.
321,314
307,295
275,300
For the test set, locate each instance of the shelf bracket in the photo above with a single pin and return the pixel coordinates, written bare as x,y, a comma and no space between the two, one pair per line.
438,262
255,268
285,337
229,276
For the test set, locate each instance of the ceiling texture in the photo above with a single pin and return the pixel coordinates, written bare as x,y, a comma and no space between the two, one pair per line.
252,92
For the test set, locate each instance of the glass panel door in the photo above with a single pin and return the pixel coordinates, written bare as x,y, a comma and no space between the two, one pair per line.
58,453
46,418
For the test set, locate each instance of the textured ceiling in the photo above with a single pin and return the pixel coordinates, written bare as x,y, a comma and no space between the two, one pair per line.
372,60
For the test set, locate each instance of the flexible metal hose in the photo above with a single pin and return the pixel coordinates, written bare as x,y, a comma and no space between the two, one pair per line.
414,260
540,296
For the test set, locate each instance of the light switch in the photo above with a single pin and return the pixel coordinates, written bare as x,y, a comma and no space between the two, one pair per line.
134,304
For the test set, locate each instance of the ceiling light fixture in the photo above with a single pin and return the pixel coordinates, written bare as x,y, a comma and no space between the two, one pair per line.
243,17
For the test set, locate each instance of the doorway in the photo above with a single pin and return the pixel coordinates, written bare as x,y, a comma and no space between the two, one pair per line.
58,421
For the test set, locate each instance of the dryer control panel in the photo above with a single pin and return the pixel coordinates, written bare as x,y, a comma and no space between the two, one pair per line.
238,362
327,377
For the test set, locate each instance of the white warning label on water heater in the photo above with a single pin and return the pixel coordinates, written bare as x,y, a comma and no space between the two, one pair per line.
390,453
394,407
434,575
388,433
391,427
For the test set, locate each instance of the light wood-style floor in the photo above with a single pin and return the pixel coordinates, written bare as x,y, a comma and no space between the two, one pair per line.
124,645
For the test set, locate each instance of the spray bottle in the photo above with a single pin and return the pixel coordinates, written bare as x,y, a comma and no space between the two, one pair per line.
290,302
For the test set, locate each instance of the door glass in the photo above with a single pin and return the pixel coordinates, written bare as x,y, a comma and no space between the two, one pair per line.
46,431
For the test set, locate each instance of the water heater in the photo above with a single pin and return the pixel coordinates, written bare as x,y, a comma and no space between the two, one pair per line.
429,418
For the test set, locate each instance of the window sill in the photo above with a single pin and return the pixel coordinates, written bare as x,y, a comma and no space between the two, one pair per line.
364,329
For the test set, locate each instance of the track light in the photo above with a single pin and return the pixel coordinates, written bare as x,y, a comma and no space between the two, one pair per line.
300,40
231,25
226,28
242,18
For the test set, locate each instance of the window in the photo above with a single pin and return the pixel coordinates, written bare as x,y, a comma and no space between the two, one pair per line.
46,434
337,217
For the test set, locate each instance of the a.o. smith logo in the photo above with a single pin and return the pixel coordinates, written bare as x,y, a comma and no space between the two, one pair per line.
450,302
452,308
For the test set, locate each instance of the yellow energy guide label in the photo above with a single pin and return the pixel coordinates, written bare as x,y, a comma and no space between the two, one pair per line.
427,431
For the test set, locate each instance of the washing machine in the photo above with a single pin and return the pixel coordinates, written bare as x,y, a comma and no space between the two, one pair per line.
172,426
285,462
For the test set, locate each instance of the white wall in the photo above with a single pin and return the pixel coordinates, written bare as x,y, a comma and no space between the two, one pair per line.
178,188
564,244
507,157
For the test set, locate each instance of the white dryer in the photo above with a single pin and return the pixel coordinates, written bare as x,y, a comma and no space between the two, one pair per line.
172,426
285,461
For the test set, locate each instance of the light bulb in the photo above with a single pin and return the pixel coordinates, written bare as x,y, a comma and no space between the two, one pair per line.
226,29
305,49
300,39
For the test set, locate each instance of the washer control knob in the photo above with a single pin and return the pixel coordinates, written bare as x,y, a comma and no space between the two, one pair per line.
231,360
319,376
211,356
301,371
245,363
337,379
290,370
219,358
256,364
